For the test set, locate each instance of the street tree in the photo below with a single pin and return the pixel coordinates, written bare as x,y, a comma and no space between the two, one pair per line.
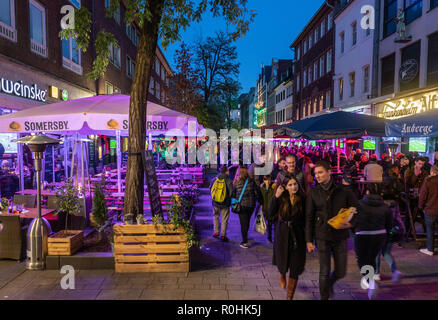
164,19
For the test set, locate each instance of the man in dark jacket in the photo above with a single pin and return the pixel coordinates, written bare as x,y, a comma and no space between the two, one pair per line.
292,170
222,208
323,203
428,202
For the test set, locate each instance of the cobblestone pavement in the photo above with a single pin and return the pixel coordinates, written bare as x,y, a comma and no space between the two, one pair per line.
222,271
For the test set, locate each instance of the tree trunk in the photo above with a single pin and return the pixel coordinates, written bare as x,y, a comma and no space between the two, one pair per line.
134,192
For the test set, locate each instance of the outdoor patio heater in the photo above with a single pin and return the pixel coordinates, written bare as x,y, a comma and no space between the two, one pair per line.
39,228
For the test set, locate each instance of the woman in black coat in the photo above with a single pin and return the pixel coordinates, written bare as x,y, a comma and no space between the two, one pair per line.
287,208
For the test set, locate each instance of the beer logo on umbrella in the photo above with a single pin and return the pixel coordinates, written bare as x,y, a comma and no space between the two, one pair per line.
113,124
14,126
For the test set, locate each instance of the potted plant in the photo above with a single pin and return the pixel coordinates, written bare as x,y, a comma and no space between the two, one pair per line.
99,215
67,242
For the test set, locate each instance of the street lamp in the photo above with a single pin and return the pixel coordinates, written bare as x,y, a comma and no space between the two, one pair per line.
39,229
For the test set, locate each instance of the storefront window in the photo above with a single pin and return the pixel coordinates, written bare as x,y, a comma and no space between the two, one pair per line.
6,12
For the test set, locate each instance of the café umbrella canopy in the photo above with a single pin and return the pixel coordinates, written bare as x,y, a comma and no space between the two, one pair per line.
419,125
335,125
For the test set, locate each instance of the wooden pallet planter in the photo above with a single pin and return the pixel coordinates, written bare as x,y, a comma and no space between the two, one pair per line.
145,248
60,245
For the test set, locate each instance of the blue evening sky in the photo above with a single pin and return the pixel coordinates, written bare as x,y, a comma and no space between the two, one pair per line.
277,24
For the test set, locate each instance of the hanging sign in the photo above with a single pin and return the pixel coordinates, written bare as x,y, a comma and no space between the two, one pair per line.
410,106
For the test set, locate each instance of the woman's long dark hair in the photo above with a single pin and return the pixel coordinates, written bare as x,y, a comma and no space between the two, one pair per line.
286,205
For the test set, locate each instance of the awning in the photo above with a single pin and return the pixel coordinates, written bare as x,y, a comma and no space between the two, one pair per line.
419,125
335,125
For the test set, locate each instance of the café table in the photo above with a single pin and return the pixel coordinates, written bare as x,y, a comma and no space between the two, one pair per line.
31,213
45,193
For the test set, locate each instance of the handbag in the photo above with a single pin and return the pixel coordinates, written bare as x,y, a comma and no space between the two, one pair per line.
235,205
260,225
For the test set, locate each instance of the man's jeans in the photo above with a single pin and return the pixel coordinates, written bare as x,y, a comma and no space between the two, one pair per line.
325,250
430,229
386,253
225,212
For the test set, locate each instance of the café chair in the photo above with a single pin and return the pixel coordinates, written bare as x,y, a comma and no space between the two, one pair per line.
57,221
12,238
28,200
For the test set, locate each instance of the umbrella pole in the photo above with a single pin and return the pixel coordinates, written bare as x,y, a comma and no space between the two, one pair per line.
53,164
338,151
73,158
20,163
119,162
65,157
82,144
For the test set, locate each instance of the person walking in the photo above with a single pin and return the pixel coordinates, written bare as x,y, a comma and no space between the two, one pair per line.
323,203
372,224
428,202
243,184
221,189
289,254
292,170
267,188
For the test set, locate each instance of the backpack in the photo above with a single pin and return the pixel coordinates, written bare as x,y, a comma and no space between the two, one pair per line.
219,191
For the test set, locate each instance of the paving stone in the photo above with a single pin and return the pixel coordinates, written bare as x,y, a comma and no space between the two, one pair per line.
159,294
206,295
123,294
249,295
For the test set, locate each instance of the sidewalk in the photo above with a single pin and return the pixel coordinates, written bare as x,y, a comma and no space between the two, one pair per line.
222,271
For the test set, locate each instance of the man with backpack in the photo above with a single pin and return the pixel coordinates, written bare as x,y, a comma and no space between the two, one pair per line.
221,189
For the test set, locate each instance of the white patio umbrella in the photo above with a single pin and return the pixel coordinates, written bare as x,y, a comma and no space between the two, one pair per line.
104,114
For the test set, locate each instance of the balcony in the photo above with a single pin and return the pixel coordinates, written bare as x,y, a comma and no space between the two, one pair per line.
68,64
8,32
37,48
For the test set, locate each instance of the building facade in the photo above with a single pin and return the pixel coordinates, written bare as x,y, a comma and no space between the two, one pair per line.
260,112
408,70
314,65
354,50
46,69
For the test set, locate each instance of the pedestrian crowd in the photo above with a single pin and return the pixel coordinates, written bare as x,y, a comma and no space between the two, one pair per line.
301,198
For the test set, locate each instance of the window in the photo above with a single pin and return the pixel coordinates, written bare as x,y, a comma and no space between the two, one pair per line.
304,78
388,73
354,33
413,10
7,20
315,70
163,73
310,41
341,89
38,42
157,90
366,79
329,21
109,88
316,35
114,55
133,34
328,100
433,4
389,14
152,86
321,102
310,75
322,28
315,105
410,60
130,67
342,41
116,15
71,56
432,63
321,66
117,90
352,83
298,82
329,61
157,66
305,46
76,3
297,52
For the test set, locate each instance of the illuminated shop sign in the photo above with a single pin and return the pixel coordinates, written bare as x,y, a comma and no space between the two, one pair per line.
410,106
19,89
